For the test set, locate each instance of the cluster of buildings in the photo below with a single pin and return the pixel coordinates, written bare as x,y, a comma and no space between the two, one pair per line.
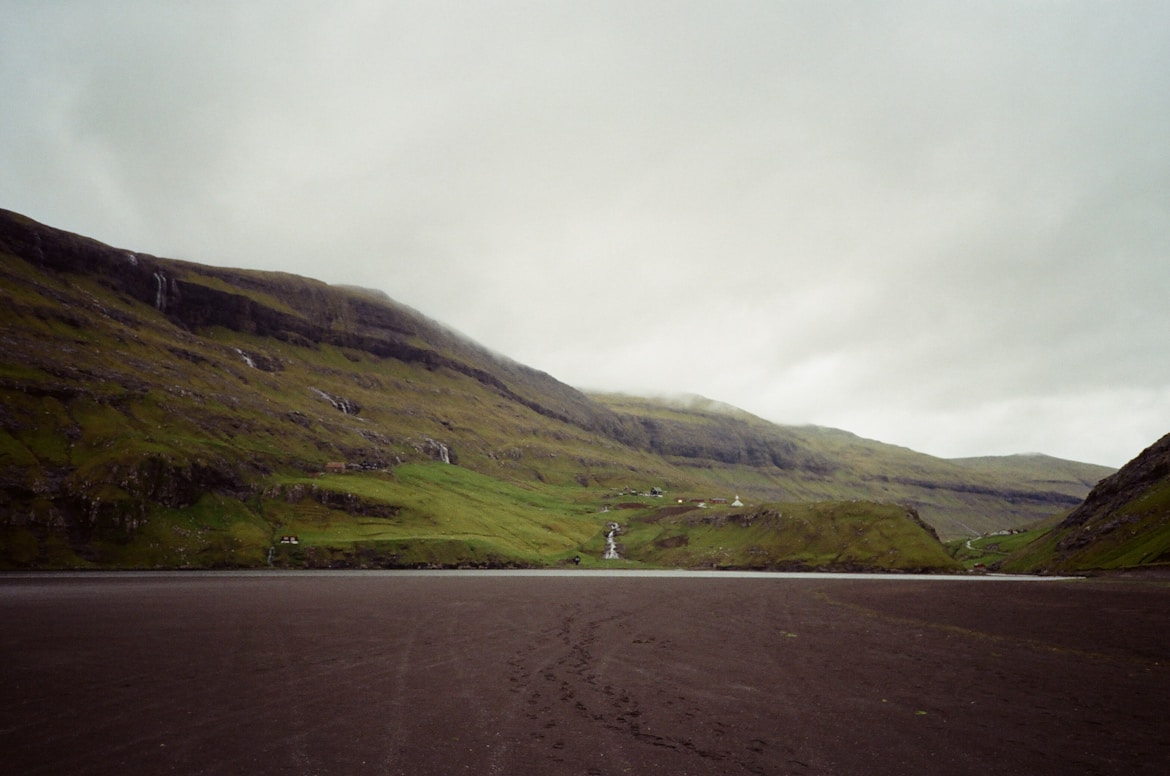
703,503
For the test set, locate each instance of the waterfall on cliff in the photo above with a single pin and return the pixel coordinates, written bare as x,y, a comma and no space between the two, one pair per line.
611,552
160,292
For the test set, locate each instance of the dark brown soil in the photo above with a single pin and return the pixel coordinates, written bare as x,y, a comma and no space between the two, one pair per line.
440,674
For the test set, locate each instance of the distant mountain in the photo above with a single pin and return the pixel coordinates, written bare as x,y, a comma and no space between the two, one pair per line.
1124,523
156,412
960,497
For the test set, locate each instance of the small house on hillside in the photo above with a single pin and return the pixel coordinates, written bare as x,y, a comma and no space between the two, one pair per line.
335,467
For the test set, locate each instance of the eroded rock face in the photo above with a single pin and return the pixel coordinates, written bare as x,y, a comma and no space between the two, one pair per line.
1150,466
345,502
113,503
1098,515
736,445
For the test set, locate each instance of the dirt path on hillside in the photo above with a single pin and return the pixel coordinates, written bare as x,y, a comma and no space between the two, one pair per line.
416,675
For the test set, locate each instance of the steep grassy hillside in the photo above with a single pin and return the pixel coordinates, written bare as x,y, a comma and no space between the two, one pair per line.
163,413
1124,523
139,392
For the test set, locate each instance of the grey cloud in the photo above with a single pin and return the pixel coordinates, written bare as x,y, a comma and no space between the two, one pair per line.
943,224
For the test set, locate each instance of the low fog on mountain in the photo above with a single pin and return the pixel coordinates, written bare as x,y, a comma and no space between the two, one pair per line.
940,225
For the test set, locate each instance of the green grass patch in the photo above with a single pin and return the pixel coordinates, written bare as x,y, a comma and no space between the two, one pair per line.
436,506
831,535
216,532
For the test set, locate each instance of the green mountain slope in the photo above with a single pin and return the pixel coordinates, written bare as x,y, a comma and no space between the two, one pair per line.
962,497
1124,523
164,413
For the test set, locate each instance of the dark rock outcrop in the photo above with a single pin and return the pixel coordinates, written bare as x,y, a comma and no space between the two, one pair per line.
1131,481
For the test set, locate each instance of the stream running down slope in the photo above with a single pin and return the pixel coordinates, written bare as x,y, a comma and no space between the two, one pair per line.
611,552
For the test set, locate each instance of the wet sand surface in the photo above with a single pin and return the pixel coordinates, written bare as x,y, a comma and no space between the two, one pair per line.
443,674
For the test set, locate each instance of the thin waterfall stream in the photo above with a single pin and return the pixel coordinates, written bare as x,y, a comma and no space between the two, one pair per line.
611,552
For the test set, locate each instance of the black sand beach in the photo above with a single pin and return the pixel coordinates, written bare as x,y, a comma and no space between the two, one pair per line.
442,674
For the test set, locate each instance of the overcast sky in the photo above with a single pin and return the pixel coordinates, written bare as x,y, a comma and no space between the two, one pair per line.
943,225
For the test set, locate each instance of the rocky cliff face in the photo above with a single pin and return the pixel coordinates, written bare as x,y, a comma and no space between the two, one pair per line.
1132,505
733,442
1150,468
